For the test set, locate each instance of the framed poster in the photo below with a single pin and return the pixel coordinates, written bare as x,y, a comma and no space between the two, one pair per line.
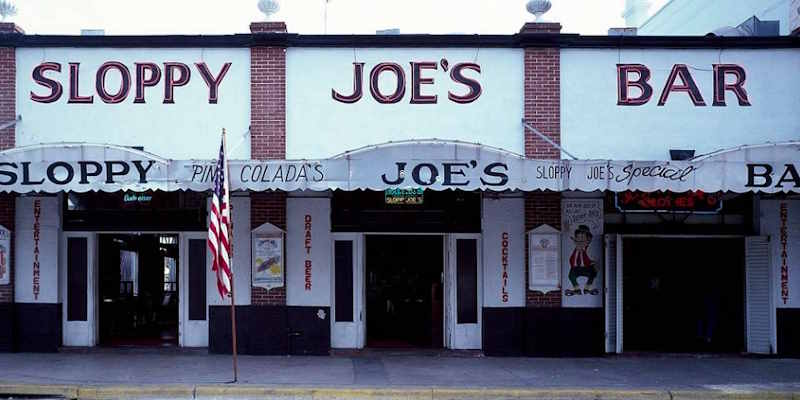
544,259
582,252
268,261
5,255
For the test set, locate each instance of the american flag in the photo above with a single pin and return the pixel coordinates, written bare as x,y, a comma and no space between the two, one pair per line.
218,224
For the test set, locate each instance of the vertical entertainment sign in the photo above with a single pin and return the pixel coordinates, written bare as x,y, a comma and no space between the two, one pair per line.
5,256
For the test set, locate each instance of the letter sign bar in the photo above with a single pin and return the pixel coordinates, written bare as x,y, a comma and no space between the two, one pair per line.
679,80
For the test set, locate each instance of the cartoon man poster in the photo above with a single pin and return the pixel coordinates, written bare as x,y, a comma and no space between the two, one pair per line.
580,264
582,252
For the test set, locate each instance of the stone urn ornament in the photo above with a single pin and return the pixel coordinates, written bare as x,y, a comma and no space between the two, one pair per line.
538,8
7,9
269,8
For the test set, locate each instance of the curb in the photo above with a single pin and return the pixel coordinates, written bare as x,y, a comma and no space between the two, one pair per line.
210,392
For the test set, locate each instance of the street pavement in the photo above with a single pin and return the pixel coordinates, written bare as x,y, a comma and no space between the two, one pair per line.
404,371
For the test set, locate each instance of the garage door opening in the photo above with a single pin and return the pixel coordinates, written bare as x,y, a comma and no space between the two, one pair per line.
138,290
404,291
684,295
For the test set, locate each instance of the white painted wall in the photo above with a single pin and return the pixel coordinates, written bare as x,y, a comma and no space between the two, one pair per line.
320,253
319,127
49,238
503,215
593,125
241,257
189,128
771,225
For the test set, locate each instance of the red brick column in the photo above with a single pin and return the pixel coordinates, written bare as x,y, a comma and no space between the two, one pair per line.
8,112
542,111
268,136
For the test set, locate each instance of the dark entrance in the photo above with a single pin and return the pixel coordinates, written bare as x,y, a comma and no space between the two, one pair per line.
683,295
138,290
404,291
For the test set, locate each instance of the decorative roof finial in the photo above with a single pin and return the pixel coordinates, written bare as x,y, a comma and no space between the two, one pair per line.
7,9
269,7
538,8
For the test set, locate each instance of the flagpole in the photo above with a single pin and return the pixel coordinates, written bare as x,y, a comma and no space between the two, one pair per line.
230,256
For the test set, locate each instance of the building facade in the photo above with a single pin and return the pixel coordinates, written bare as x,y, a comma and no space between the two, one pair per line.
510,194
692,18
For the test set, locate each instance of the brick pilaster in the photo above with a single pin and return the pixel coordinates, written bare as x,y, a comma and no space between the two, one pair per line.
8,112
542,111
268,136
542,208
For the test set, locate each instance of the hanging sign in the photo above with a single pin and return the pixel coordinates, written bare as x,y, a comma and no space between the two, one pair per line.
268,261
697,202
404,196
5,255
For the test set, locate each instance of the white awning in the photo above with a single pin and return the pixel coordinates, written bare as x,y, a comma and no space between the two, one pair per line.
429,164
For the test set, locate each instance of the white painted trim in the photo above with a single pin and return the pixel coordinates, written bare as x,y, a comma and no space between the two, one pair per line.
773,305
81,333
452,303
184,324
357,328
620,302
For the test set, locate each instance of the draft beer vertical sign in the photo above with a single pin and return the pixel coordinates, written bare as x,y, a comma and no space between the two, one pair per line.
5,256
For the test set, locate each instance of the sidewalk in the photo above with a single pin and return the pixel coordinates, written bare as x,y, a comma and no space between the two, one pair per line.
196,374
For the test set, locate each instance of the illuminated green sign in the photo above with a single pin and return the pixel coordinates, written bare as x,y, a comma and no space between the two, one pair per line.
404,196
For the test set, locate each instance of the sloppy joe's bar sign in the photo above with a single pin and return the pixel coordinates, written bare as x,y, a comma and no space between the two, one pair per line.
471,168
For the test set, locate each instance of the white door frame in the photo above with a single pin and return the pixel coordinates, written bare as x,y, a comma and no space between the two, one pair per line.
620,266
191,333
462,336
81,333
350,335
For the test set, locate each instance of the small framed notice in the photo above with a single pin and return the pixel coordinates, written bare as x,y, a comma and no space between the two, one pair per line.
5,256
544,259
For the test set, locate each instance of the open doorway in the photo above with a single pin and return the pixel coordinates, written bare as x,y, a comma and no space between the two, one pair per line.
404,291
138,289
683,295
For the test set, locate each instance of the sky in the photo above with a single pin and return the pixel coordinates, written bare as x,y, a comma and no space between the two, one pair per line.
125,17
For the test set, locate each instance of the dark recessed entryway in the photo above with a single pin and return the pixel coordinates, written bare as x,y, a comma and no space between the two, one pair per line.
404,291
683,295
138,290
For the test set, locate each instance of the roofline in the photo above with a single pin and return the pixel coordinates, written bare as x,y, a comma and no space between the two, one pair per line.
519,40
